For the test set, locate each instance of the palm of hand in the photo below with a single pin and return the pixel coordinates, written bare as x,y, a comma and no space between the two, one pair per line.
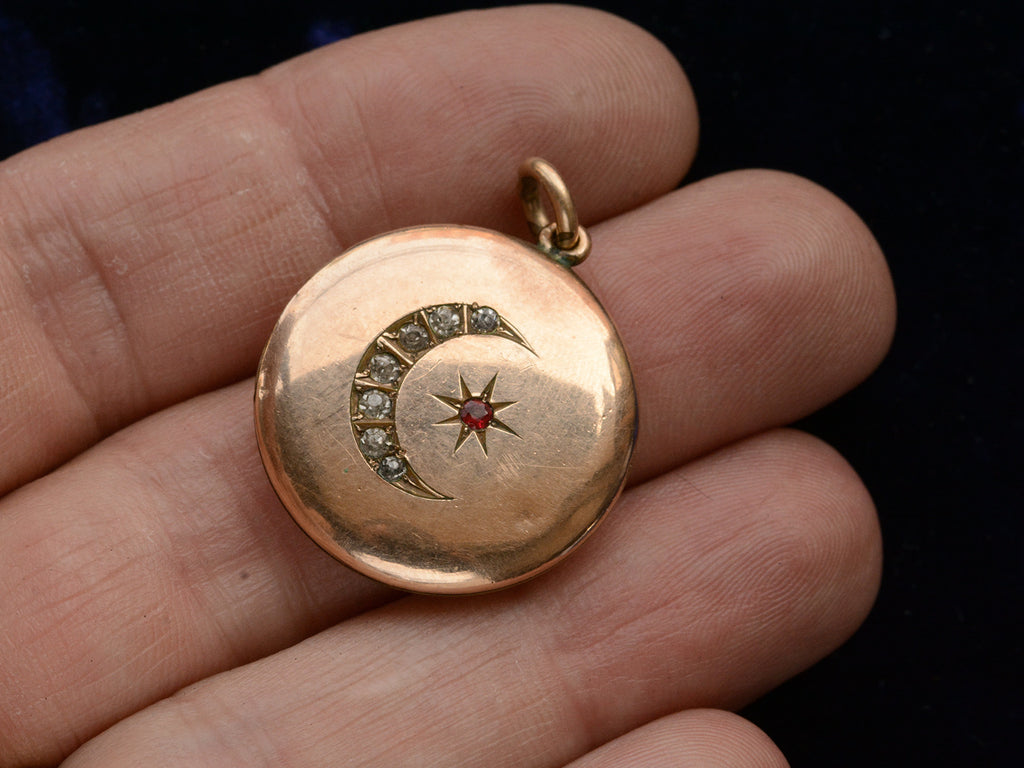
144,263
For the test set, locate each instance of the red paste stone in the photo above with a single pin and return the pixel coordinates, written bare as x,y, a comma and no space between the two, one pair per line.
476,414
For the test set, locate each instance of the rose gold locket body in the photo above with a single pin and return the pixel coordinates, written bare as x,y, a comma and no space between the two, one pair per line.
447,409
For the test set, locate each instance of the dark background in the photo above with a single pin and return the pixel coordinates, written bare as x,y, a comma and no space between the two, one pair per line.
914,114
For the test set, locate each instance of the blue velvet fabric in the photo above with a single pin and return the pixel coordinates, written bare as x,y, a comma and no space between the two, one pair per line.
33,97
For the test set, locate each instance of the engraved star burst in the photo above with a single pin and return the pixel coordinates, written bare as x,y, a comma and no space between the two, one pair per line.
475,413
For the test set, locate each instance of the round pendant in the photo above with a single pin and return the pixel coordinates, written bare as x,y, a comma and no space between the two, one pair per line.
446,409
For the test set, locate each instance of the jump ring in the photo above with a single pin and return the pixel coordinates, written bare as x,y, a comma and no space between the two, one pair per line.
570,257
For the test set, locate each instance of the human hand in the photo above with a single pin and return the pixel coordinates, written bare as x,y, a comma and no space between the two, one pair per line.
153,593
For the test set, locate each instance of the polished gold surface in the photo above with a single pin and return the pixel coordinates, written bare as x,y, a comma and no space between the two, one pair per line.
496,516
446,409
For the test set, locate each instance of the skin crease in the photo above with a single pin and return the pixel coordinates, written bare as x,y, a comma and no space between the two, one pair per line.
154,597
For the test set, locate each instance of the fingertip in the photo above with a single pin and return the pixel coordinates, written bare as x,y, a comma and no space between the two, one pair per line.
818,544
666,114
839,271
696,738
597,96
748,300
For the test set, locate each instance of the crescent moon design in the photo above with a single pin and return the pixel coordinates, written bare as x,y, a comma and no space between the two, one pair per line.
388,360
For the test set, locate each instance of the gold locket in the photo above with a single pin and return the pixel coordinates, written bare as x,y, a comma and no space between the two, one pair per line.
447,409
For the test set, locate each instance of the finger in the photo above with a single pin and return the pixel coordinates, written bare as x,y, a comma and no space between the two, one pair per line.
753,563
699,738
226,523
157,558
747,301
144,261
